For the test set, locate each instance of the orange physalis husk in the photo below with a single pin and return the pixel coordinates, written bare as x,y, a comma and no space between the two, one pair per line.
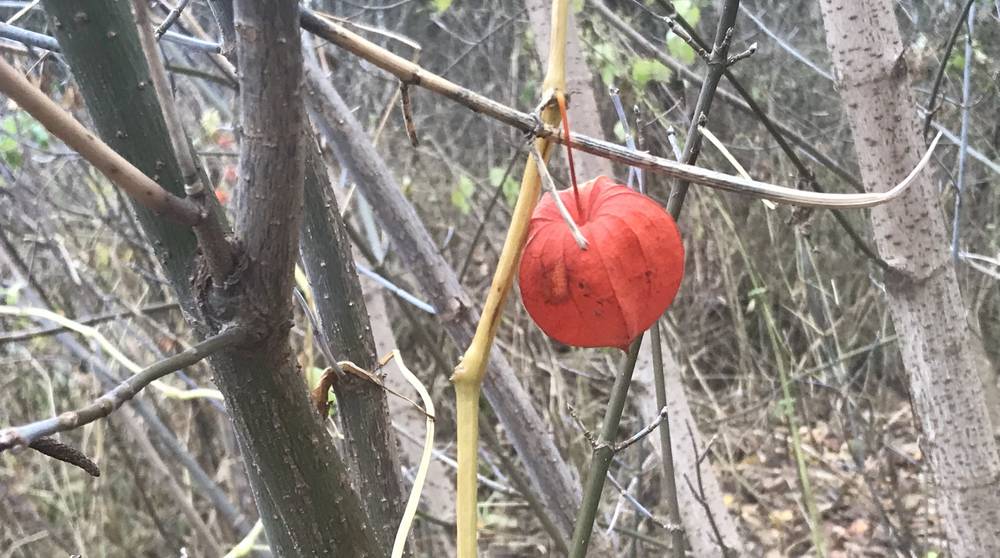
608,294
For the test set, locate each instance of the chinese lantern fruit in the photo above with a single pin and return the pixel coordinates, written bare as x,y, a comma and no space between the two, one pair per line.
608,294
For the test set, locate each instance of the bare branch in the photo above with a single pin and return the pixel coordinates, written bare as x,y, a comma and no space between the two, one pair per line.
414,74
140,187
106,404
211,232
646,430
171,18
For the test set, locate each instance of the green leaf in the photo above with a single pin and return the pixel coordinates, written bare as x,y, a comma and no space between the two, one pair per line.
510,186
10,151
689,11
680,50
20,124
102,256
758,291
645,70
441,6
461,195
11,294
607,59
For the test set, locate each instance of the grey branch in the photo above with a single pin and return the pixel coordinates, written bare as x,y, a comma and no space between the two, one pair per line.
646,430
106,404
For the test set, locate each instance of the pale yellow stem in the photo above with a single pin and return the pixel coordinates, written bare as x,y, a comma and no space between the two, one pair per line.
467,423
469,373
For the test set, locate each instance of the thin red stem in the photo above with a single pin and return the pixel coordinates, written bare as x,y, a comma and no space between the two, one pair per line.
561,99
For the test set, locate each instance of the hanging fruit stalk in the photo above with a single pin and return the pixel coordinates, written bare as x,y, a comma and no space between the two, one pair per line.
468,375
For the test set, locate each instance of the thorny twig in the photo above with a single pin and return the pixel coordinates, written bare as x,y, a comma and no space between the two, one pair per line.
750,51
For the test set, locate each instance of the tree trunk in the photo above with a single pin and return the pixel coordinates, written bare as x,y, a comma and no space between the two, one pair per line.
343,316
299,482
939,353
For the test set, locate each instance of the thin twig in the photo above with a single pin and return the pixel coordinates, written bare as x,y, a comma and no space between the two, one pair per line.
217,251
640,144
140,187
171,18
616,100
666,443
543,171
939,75
699,493
497,192
672,527
646,431
716,69
963,145
603,454
106,404
784,44
736,58
406,105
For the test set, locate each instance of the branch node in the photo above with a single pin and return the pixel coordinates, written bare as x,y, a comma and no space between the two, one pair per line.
750,51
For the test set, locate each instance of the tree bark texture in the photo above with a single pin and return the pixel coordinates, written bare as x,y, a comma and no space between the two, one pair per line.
938,350
343,315
300,484
101,45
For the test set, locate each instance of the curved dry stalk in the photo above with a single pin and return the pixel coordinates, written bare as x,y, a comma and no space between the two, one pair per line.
123,174
425,458
111,349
